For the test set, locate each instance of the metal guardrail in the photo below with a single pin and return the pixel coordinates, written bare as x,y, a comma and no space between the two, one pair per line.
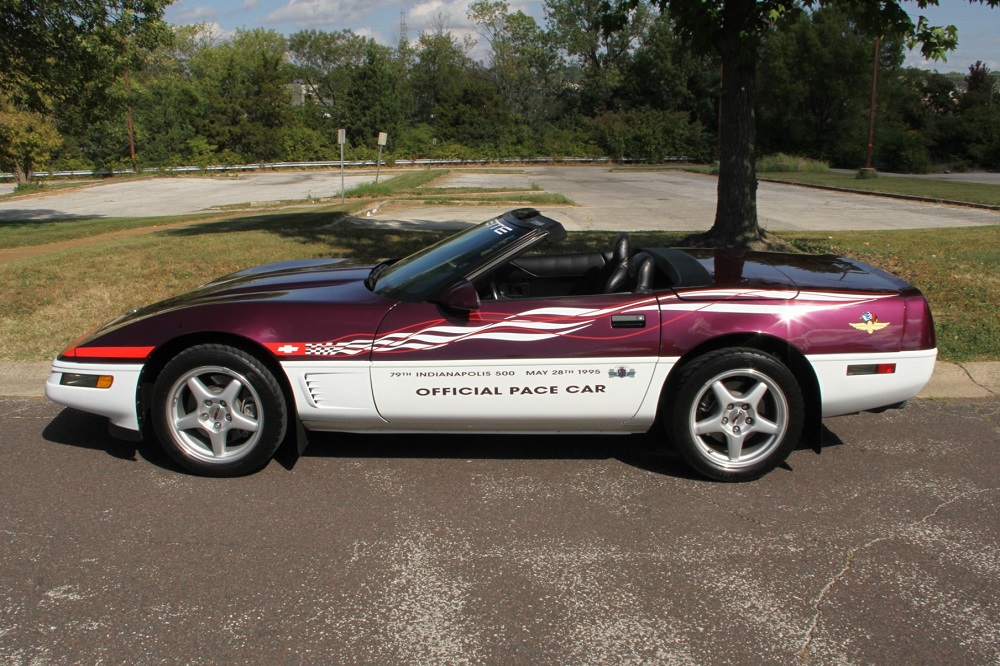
264,166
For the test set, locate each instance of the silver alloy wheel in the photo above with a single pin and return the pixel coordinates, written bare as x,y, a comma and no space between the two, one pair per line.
213,414
739,417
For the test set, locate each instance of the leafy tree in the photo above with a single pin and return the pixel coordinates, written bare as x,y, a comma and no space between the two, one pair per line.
602,47
981,117
523,60
649,134
58,56
27,138
375,99
242,86
167,118
438,74
56,49
734,30
665,74
324,62
478,118
814,75
980,87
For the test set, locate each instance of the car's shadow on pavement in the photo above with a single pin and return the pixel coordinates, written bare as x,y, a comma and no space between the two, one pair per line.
72,427
648,451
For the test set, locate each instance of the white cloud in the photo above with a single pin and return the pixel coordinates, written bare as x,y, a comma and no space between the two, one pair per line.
199,14
368,33
425,15
213,33
250,4
330,13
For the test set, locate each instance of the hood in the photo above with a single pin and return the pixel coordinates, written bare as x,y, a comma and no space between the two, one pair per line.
330,281
774,275
302,279
299,274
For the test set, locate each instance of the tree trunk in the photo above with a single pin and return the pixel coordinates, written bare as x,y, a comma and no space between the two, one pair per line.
22,172
736,207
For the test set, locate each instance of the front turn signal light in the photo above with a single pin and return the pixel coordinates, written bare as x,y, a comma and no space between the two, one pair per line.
87,381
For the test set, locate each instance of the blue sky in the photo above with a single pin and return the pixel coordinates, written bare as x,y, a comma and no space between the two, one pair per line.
978,25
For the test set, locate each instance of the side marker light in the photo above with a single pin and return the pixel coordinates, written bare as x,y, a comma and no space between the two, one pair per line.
872,369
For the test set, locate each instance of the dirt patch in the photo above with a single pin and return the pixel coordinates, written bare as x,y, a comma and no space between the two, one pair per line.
18,253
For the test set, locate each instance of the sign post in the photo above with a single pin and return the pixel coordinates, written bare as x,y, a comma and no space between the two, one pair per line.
341,139
382,138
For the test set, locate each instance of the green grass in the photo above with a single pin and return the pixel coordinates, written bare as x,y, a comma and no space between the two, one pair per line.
412,185
512,198
791,163
404,183
929,188
694,168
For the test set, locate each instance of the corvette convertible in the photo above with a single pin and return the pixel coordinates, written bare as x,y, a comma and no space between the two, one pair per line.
724,355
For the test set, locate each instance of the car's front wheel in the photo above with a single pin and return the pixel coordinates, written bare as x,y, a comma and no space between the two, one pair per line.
218,411
736,414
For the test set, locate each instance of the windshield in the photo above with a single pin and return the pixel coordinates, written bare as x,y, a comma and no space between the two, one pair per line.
420,274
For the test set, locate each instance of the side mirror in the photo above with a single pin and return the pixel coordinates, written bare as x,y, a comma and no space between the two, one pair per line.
463,297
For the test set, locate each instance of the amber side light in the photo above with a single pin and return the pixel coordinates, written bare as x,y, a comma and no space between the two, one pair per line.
87,381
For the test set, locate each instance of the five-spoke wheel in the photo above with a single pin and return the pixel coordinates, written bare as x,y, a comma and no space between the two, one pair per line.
736,414
218,411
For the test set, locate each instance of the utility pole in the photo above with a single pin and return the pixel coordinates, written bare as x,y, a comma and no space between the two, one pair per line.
342,139
128,107
871,114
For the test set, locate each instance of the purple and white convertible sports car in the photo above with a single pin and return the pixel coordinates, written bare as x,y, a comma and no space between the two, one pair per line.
731,351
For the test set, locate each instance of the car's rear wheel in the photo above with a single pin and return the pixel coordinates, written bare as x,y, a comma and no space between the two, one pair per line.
736,414
218,411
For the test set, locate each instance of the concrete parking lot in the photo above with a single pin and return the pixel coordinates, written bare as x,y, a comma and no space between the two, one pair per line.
676,200
180,195
605,198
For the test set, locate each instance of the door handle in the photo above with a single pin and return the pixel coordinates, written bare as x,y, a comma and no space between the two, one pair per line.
628,321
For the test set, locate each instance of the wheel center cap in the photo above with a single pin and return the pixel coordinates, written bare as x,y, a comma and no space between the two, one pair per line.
217,413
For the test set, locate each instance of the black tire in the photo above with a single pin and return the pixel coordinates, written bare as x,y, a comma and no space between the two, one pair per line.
200,400
736,414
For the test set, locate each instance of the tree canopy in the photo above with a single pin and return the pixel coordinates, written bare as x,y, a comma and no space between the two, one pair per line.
734,31
62,56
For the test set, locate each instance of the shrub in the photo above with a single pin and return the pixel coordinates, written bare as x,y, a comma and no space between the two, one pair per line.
783,162
649,134
28,188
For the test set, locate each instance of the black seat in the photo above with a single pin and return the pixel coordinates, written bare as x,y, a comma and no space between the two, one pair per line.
616,271
640,273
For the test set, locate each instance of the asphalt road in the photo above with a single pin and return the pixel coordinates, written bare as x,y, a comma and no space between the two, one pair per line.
879,547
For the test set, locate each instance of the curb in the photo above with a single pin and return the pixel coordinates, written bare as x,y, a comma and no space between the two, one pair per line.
951,381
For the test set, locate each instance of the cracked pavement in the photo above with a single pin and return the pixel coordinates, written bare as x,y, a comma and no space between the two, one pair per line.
878,544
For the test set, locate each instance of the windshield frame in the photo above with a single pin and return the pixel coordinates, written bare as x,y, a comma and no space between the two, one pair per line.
464,256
